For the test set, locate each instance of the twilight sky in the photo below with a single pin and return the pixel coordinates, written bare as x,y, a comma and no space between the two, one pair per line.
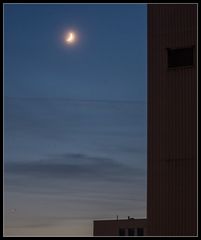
74,116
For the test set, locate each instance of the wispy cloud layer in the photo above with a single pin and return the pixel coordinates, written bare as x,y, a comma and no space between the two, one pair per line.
76,166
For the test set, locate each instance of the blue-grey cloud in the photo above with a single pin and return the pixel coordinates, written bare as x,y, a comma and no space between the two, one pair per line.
75,165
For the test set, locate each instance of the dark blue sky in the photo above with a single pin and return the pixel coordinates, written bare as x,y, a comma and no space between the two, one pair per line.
69,158
108,62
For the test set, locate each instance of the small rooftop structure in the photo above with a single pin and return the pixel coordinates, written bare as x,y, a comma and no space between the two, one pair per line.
120,227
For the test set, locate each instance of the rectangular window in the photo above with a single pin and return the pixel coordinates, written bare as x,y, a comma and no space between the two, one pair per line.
122,232
180,57
131,232
140,232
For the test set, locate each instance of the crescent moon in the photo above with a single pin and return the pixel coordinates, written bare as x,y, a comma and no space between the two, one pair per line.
70,38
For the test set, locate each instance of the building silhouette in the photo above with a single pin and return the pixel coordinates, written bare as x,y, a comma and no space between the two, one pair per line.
172,120
172,126
120,227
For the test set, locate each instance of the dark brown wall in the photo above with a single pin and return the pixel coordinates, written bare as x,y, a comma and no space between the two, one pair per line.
172,123
111,227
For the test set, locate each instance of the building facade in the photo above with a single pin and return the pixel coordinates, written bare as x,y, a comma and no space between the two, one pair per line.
120,227
172,120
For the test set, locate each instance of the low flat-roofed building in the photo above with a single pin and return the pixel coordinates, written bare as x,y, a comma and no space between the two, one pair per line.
120,227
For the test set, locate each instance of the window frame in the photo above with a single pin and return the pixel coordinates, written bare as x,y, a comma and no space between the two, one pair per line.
122,229
132,229
181,66
140,229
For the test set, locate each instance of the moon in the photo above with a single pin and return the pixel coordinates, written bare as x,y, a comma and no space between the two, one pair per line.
70,38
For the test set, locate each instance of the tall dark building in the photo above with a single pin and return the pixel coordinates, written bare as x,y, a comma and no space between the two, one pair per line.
172,120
